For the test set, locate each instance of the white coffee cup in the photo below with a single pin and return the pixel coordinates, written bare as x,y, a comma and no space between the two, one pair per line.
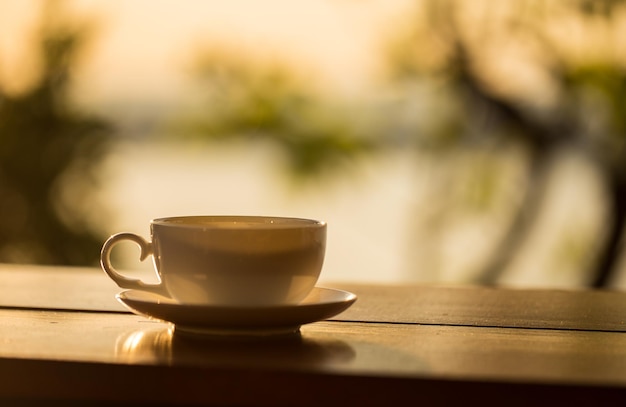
228,260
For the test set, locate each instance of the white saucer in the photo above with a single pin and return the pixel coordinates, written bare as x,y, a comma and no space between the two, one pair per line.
320,304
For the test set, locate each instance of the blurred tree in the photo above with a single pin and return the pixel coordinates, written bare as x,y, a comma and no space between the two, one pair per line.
44,143
469,63
577,101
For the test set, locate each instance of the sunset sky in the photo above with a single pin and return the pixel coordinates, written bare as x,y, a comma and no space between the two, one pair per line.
142,49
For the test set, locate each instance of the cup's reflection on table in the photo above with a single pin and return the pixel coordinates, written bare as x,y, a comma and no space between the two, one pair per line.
165,346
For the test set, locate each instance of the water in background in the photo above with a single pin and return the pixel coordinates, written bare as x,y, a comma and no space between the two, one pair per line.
373,212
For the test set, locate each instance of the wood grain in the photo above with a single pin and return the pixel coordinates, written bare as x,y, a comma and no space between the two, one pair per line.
388,350
89,289
489,307
64,340
79,356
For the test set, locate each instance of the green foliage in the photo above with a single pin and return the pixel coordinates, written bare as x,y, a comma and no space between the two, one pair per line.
42,140
248,101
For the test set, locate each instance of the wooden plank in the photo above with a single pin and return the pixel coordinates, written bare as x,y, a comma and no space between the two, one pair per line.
489,307
57,288
90,289
389,351
57,383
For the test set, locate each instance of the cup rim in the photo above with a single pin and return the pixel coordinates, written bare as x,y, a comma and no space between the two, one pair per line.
257,221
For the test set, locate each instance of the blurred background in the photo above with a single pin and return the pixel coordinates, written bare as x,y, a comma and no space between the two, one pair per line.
443,141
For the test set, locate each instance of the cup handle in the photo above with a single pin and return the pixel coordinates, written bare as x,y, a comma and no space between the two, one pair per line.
120,280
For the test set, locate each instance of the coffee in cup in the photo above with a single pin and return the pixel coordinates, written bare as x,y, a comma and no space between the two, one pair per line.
228,260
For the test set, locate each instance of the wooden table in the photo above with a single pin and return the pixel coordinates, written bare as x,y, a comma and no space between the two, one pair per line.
64,340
